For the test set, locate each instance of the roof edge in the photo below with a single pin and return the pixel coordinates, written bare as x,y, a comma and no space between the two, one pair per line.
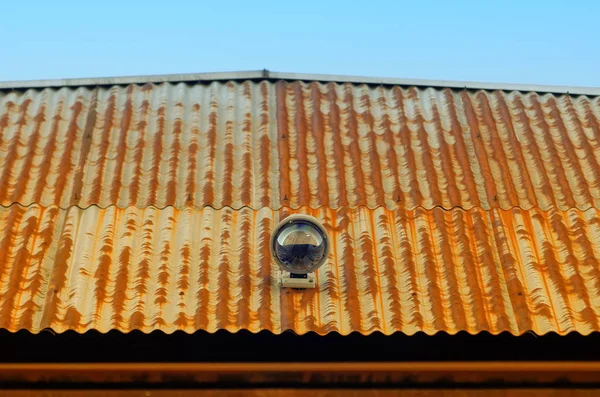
269,75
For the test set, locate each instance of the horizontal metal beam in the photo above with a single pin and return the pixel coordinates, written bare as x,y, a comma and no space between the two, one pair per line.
267,75
304,373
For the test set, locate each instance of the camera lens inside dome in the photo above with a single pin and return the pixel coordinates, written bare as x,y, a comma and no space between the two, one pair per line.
300,247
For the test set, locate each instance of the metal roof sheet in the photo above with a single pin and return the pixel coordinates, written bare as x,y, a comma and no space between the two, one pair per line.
420,270
295,144
151,207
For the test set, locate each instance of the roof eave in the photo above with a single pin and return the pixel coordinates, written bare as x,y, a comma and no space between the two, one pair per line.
268,75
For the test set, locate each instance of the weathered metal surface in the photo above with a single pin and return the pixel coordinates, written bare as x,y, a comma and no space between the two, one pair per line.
151,207
295,144
402,270
316,374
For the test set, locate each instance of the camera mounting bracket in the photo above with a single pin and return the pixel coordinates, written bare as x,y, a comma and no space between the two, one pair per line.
291,280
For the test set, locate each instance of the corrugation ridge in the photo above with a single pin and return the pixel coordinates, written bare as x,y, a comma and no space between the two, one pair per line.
571,137
368,275
12,150
427,272
337,148
480,161
319,138
513,149
330,274
386,253
481,248
447,178
86,144
462,156
35,279
31,146
537,145
352,153
495,151
299,131
374,173
9,239
56,281
445,229
408,160
556,284
413,315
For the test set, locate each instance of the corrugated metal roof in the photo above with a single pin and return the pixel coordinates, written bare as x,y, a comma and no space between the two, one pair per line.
298,144
151,207
410,271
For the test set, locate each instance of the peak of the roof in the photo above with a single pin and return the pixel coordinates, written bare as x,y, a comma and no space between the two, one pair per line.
269,75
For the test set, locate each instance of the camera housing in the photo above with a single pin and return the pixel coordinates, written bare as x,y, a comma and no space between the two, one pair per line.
299,245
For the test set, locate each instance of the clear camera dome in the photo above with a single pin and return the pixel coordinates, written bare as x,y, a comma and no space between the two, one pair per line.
300,246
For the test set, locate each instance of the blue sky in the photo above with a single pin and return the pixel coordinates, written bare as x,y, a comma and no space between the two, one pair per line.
537,42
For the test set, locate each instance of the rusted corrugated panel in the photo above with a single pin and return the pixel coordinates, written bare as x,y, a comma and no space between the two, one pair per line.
156,145
410,147
389,270
294,144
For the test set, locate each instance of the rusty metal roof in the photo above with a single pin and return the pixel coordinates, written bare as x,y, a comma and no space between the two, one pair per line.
294,144
421,270
151,207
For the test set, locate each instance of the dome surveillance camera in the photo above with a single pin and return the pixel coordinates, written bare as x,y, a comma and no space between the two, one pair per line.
299,245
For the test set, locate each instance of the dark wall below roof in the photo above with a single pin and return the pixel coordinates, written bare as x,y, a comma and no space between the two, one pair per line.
267,347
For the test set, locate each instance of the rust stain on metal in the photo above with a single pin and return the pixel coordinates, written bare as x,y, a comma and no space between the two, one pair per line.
421,270
151,207
297,144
